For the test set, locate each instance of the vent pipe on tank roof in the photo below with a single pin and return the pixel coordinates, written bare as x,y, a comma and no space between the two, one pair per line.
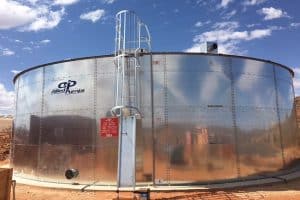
209,47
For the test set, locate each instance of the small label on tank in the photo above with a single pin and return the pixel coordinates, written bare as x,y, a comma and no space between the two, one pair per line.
109,127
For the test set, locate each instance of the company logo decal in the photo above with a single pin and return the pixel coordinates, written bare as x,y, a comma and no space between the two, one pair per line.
67,88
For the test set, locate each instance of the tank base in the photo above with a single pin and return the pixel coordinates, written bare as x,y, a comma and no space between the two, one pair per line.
291,175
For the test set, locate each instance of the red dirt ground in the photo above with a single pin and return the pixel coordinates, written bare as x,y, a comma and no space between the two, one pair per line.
289,191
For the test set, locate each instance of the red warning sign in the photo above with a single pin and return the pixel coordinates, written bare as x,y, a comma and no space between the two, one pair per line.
109,127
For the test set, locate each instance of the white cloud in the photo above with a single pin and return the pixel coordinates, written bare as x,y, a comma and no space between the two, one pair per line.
6,101
229,15
228,25
48,21
14,14
296,81
252,25
18,41
27,48
276,28
15,71
33,2
259,33
207,22
176,10
297,71
228,37
219,35
230,48
7,52
93,16
108,1
198,24
224,3
272,13
223,47
295,24
253,2
32,15
65,2
45,41
201,2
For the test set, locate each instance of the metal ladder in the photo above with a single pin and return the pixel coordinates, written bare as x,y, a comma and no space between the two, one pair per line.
132,40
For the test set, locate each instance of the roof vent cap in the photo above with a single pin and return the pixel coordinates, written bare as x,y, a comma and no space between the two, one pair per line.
209,47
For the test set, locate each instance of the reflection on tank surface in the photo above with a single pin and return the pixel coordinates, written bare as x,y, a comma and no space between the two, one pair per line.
205,118
66,142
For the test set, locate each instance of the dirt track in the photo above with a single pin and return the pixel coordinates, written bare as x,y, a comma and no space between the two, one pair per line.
4,146
5,128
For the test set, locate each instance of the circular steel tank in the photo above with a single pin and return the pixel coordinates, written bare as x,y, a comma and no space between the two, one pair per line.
206,118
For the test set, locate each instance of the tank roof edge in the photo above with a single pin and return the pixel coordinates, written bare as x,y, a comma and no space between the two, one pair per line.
154,53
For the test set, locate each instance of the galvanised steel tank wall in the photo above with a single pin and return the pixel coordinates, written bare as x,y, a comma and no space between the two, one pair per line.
205,118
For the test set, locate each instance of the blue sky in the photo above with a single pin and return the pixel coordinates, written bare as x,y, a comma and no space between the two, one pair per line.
34,32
